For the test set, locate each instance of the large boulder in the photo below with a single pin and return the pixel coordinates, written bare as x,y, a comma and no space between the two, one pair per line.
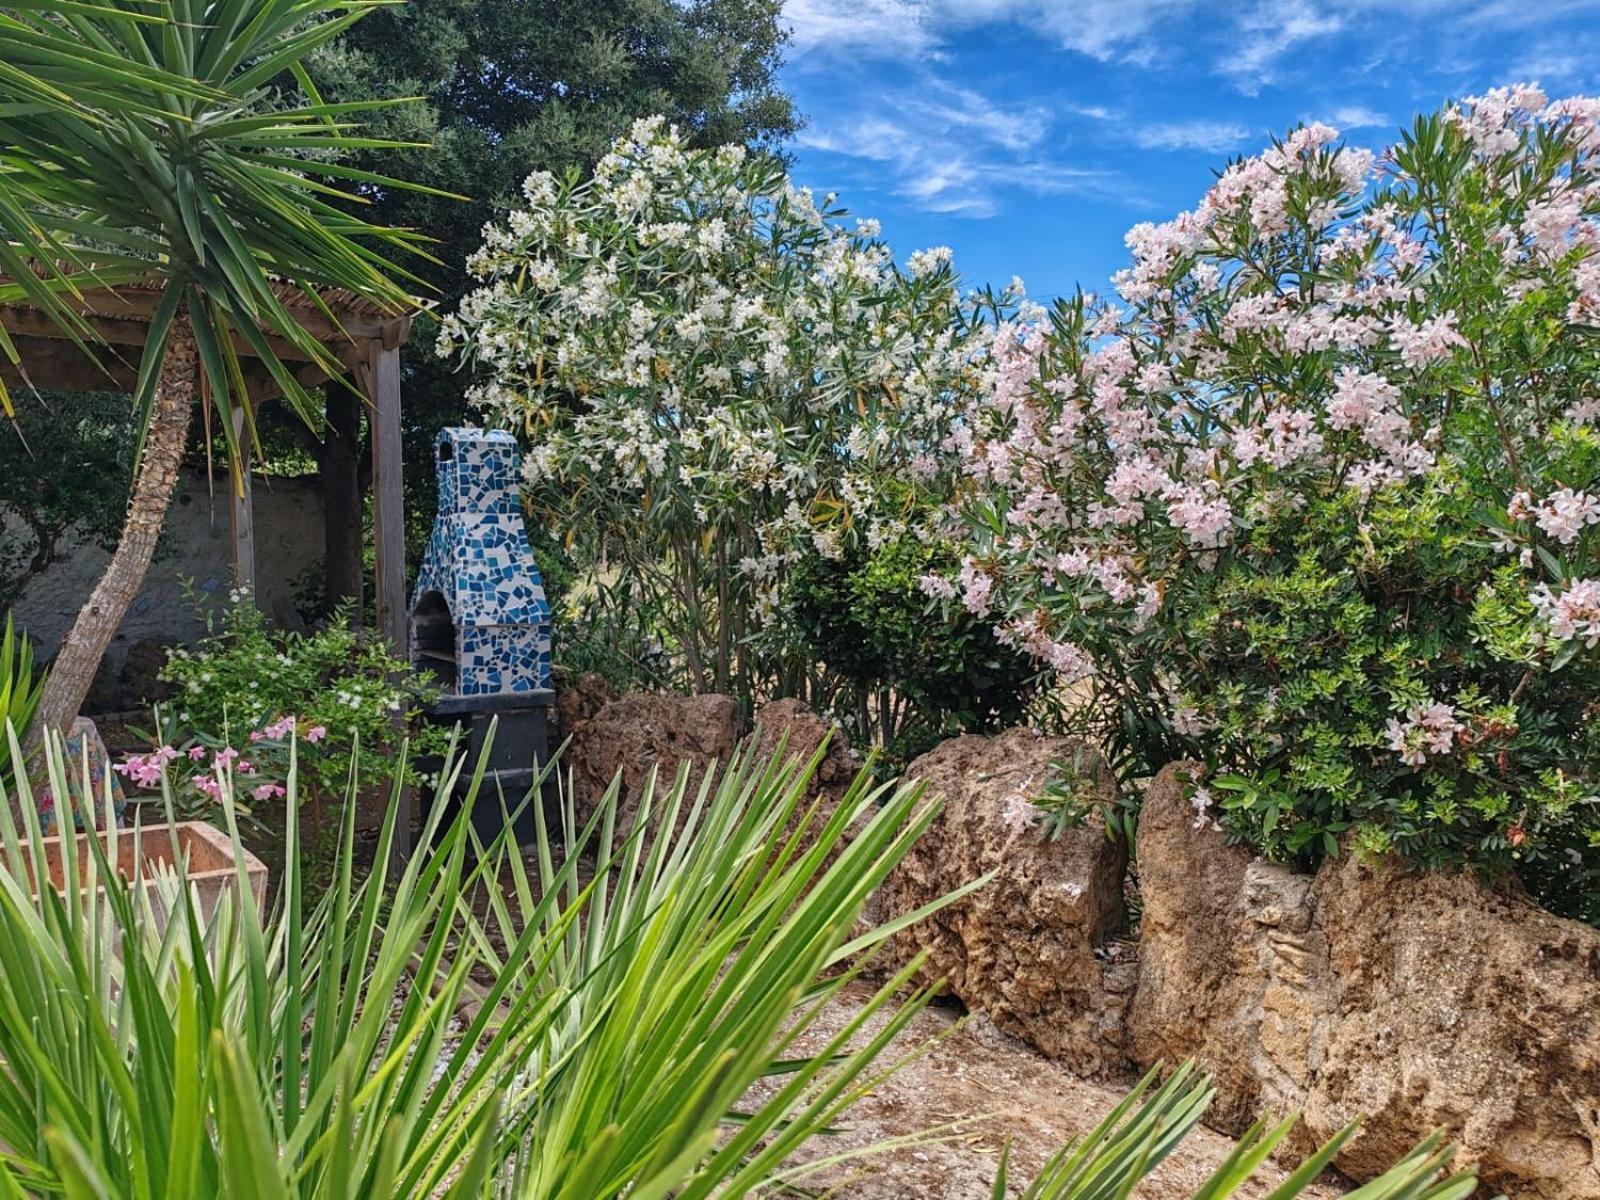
579,703
792,727
647,732
1021,949
1413,999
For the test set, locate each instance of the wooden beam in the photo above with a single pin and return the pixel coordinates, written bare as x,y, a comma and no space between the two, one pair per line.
381,381
241,510
66,367
125,331
388,494
340,478
139,304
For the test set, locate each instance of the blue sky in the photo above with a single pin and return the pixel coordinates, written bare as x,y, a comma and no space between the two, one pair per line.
1028,135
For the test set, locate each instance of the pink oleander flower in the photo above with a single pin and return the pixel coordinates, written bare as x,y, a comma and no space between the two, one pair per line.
1566,513
316,733
1428,342
281,728
143,769
268,791
196,753
1427,729
1573,614
225,756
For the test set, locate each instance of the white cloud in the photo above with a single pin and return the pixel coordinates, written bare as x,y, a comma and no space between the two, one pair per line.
915,29
1104,29
949,149
1213,137
881,28
1355,116
1269,31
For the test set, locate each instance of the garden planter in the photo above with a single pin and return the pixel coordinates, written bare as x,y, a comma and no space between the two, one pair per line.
205,849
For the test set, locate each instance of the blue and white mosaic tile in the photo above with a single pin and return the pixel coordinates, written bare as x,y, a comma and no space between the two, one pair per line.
480,562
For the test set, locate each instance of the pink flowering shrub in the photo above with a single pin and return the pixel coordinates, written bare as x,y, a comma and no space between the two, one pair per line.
1316,499
246,692
200,766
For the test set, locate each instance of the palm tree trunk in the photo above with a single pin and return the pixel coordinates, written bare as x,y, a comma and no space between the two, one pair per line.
85,644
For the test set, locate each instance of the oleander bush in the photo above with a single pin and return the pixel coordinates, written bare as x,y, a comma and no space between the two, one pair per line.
1314,499
911,670
715,374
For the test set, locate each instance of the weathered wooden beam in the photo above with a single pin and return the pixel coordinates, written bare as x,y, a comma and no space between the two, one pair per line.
380,379
388,494
124,331
139,304
241,510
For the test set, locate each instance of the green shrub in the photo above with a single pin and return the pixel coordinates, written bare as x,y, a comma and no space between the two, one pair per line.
916,670
245,691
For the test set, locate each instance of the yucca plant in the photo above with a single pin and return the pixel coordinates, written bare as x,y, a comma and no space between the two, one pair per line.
19,690
419,1034
587,1027
179,145
1111,1160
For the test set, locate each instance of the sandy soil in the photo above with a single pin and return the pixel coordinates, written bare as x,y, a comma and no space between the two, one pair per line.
997,1088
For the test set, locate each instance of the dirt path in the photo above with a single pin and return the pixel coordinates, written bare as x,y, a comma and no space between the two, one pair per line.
975,1069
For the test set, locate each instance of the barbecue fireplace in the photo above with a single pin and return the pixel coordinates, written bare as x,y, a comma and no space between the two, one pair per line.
480,625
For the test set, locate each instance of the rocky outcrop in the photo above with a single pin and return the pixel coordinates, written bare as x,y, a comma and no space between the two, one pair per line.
1022,949
647,732
800,733
1412,999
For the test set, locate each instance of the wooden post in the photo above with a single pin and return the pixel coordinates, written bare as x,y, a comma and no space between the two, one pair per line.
241,510
342,501
388,494
382,380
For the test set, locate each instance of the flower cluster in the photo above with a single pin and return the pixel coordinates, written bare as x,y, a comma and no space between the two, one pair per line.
1316,491
715,372
245,692
203,765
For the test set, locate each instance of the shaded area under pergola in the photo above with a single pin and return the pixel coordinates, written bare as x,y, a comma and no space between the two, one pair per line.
364,338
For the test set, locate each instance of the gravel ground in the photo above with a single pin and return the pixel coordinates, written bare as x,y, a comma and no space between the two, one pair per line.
997,1088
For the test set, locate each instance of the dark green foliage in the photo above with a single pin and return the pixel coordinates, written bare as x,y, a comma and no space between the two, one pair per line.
915,669
66,465
1312,637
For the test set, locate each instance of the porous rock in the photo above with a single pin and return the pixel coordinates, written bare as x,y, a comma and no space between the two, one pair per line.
646,732
1412,999
1021,949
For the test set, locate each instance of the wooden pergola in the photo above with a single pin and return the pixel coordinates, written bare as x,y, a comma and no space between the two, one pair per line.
364,338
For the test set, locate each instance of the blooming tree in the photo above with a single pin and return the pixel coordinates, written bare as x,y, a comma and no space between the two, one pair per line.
1315,496
714,374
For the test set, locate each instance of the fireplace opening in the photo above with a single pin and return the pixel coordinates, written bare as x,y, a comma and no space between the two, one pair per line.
433,640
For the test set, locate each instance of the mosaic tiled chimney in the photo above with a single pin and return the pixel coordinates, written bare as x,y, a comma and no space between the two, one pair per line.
479,619
480,624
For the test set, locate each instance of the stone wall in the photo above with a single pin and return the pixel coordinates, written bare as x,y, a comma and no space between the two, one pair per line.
288,519
1412,1000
